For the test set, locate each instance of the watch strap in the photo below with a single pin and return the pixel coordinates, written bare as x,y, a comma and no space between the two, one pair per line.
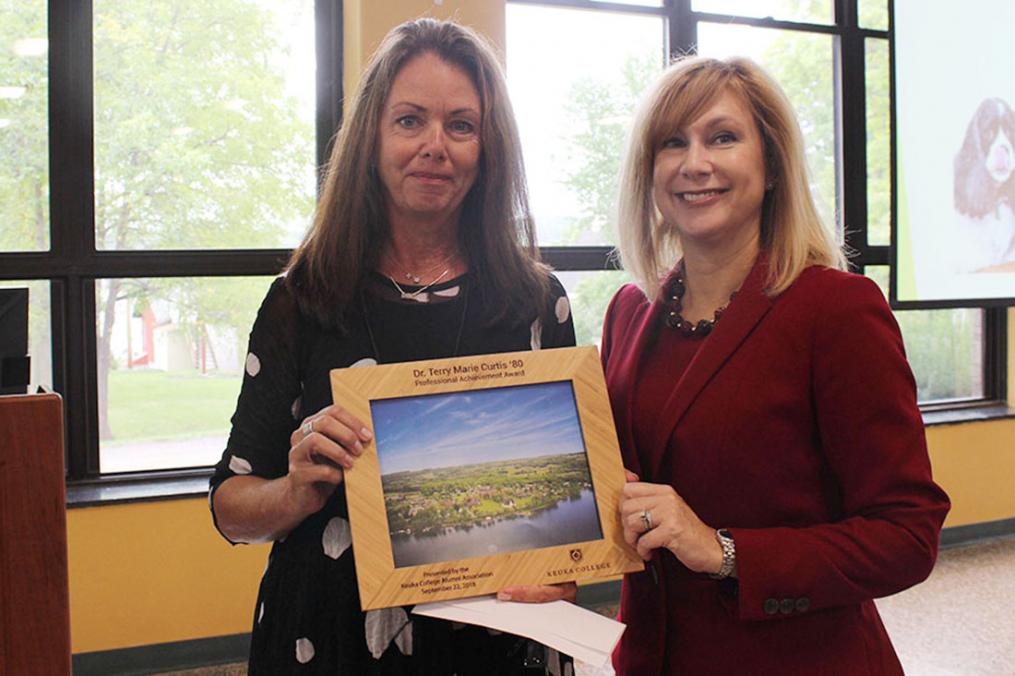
729,555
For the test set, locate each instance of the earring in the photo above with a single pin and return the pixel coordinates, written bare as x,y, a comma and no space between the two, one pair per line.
770,185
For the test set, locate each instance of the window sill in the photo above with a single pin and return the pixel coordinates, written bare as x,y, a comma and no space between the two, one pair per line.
967,414
150,487
153,486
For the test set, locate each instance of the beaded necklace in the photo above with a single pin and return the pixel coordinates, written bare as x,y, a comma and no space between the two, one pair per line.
675,290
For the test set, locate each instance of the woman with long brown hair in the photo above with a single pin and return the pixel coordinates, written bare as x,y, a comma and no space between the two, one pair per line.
422,247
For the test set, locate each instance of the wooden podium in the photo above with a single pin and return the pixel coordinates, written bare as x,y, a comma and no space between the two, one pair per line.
34,611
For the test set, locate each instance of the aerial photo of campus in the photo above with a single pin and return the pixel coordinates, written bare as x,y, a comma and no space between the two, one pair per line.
484,472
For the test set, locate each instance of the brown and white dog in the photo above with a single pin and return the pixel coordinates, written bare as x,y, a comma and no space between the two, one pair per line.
985,188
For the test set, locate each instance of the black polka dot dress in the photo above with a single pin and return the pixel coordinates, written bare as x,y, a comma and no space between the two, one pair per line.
307,617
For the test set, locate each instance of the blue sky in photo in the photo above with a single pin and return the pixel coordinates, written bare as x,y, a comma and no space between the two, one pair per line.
464,428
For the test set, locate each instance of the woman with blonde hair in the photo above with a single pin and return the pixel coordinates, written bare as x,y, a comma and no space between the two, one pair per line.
778,472
422,247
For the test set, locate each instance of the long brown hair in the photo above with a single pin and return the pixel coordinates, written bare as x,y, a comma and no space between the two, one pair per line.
792,231
495,231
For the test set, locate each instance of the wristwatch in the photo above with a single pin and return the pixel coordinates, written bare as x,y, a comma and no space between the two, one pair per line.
729,555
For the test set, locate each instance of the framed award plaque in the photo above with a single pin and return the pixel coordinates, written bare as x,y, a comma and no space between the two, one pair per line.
484,472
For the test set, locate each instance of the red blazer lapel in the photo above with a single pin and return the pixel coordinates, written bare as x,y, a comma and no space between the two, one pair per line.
743,314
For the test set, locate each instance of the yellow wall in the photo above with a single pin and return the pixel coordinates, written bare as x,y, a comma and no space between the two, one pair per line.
1011,351
157,572
368,21
975,463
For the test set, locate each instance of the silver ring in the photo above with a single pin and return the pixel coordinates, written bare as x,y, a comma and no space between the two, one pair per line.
646,519
308,428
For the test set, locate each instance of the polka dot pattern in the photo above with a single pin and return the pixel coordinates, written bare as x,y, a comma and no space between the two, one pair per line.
253,365
403,641
383,625
304,650
448,293
562,309
280,377
238,465
336,538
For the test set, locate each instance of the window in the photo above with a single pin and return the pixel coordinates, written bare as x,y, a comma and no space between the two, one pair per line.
572,117
879,177
944,347
169,367
160,160
24,178
204,123
835,69
815,11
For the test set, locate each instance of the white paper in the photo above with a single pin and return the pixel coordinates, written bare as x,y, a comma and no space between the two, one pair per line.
573,630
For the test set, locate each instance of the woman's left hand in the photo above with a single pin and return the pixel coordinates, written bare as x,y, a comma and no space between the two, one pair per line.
540,593
654,516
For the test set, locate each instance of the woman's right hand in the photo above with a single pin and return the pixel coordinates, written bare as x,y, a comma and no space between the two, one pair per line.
322,448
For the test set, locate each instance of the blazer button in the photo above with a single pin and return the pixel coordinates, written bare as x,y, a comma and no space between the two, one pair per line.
771,606
803,604
786,606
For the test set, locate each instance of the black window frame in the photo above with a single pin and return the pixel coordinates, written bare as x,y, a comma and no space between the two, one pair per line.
851,168
73,264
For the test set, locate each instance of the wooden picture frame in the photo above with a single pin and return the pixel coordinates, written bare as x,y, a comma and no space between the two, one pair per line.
486,484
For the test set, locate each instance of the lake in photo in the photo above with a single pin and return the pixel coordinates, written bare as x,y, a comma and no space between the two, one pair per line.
571,520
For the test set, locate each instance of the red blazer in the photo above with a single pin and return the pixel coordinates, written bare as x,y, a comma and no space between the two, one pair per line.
796,427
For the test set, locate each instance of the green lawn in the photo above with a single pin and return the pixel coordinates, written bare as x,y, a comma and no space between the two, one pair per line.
160,405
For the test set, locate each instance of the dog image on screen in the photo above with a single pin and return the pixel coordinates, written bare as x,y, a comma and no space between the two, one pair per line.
985,190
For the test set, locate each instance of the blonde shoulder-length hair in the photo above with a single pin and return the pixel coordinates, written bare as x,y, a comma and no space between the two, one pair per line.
792,232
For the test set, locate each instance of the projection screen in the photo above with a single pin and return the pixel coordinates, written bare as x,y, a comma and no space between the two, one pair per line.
954,240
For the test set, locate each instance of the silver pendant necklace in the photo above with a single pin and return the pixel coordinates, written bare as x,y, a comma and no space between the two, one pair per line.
415,295
417,279
458,334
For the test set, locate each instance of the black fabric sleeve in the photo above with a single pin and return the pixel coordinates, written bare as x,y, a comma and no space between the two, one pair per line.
269,396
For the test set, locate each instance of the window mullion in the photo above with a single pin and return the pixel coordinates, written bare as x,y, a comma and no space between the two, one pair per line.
852,132
683,30
995,353
328,19
72,225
